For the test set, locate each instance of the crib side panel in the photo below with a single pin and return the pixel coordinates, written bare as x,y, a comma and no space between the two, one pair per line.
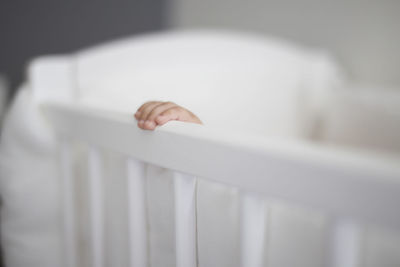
325,180
346,187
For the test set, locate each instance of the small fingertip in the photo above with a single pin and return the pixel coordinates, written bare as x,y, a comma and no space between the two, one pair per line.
149,125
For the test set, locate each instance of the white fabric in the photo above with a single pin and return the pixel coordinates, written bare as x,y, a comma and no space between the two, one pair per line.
366,117
29,187
227,79
264,85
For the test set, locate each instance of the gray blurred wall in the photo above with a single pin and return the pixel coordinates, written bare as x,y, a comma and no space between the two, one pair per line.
32,28
364,35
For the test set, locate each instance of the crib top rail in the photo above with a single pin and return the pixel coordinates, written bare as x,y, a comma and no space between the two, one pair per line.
360,186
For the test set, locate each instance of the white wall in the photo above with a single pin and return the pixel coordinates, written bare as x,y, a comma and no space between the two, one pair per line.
364,34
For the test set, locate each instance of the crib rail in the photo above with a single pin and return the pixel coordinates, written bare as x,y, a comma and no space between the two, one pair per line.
350,187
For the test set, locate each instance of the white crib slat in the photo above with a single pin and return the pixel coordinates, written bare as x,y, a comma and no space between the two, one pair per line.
185,220
96,208
137,213
344,244
68,204
253,217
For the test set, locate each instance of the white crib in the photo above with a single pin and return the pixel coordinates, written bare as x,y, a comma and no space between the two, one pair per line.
350,188
353,189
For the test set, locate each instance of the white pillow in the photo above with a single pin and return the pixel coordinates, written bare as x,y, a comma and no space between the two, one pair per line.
365,117
238,81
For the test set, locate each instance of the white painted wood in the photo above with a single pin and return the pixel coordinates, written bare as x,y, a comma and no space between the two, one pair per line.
253,216
137,213
96,208
68,191
185,220
344,248
317,175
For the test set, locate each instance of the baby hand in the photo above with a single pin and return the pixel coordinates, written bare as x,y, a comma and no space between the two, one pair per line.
154,113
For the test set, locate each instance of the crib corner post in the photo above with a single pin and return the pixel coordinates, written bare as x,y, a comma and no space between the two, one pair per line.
53,78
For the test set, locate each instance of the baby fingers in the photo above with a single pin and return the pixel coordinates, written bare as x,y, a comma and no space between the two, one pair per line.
154,113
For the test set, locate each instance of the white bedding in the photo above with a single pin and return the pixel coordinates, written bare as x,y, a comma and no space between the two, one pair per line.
264,85
30,214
